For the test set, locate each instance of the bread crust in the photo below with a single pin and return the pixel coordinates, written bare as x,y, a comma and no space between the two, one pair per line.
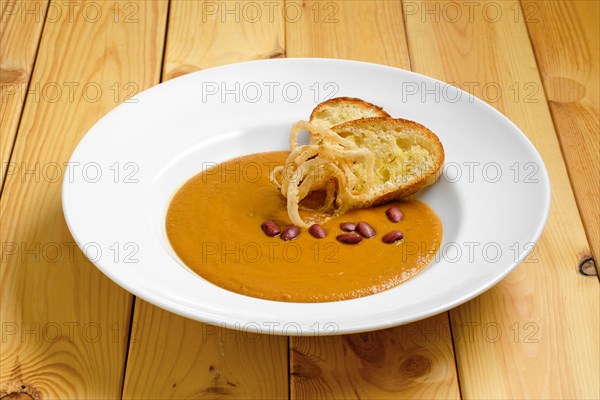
403,191
352,100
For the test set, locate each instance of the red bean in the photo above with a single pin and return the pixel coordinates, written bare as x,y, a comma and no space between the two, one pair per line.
290,233
392,236
270,228
349,238
365,229
317,231
348,226
394,214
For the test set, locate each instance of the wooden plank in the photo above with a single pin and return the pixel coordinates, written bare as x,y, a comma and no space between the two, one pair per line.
544,341
176,357
566,40
171,357
64,324
338,29
412,361
21,24
204,34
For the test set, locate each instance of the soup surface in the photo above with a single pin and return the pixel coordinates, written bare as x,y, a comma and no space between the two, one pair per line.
214,225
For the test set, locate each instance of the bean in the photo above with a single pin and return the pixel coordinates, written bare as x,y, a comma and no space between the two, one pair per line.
365,229
290,233
392,236
394,214
270,228
317,231
348,226
349,238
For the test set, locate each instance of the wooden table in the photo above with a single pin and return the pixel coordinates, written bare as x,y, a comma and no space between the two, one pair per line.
69,332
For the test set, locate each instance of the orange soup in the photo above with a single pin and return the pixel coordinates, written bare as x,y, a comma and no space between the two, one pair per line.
214,226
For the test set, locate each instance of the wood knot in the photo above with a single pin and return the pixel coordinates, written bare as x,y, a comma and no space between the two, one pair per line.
304,367
17,396
11,76
218,391
22,392
415,366
16,388
368,346
564,90
587,267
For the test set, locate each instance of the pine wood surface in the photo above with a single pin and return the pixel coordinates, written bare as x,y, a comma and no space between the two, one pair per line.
19,37
523,326
69,332
405,362
199,360
566,40
64,324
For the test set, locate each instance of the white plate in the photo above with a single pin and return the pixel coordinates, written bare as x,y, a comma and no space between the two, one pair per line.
493,198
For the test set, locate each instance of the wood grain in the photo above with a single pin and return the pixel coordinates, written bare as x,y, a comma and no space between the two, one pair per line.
566,42
64,324
175,357
171,357
204,34
545,311
412,361
338,29
19,37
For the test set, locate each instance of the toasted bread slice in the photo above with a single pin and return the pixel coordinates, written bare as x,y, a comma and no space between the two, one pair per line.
343,109
357,164
408,156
